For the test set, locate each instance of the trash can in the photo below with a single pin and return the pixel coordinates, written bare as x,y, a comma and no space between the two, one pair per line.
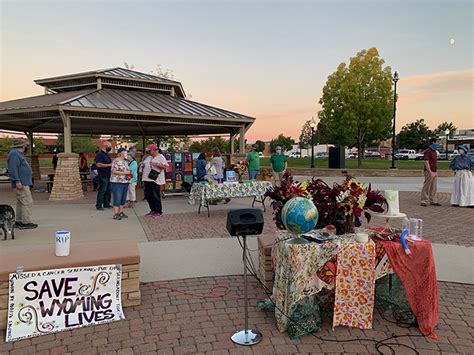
337,158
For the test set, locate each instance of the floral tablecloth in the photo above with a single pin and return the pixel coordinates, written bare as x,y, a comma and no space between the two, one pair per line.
304,270
205,192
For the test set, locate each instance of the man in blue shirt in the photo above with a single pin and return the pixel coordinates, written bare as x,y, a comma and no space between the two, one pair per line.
21,179
104,164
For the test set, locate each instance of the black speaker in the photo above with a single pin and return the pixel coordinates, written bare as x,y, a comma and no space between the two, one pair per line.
246,221
337,159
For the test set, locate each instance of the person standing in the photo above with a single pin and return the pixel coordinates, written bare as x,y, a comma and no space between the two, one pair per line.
156,162
279,164
83,165
21,177
104,164
119,179
201,167
430,185
218,163
463,189
253,160
133,166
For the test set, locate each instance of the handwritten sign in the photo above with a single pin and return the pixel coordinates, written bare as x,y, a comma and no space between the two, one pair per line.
49,301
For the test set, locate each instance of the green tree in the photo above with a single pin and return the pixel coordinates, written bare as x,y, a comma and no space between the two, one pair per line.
261,145
285,142
80,144
442,127
357,101
414,135
5,144
206,146
39,147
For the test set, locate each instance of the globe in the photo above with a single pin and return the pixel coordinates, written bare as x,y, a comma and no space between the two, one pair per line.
299,215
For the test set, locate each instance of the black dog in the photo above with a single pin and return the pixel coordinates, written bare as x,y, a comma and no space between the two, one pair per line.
7,221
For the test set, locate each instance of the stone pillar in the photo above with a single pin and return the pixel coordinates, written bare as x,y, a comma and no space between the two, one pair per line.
35,166
67,182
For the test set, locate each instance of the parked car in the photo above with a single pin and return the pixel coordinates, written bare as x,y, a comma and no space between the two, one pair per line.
372,154
351,155
419,156
405,154
294,155
320,155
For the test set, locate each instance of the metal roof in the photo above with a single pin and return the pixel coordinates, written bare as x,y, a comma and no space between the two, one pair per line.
116,111
117,71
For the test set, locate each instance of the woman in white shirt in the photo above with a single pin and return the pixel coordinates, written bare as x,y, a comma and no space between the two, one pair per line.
119,180
155,161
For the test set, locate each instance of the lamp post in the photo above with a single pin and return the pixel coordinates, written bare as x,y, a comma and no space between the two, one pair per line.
313,127
446,132
395,79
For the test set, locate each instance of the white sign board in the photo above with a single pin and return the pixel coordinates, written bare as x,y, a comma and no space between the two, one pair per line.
49,301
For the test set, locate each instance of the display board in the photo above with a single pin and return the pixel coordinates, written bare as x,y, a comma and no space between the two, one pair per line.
181,168
48,301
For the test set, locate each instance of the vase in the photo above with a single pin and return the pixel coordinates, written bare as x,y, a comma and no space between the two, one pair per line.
349,224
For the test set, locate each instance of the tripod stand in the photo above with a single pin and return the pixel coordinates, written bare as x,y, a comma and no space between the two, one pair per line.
246,336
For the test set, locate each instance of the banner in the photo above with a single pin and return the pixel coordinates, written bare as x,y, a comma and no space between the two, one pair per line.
49,301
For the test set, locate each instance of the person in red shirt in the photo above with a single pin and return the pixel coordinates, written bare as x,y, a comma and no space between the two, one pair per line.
430,185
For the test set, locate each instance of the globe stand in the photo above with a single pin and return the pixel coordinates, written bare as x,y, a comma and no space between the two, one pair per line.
246,336
297,240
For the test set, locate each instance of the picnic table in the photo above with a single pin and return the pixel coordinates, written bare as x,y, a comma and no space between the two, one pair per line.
206,192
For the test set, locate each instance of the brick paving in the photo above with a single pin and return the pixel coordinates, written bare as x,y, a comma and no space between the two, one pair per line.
179,226
441,224
168,322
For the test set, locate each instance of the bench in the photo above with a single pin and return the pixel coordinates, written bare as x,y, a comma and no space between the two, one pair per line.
42,257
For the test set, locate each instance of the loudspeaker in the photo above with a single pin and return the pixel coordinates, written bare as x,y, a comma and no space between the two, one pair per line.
246,221
337,159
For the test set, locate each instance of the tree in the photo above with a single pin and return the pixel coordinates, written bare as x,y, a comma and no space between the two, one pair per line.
442,127
39,147
414,135
357,101
261,145
306,136
80,144
282,141
5,144
207,145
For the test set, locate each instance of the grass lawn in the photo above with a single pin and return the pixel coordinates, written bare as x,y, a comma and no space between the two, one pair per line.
352,163
319,163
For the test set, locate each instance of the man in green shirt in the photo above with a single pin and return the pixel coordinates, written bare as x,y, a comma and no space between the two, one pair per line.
254,162
279,164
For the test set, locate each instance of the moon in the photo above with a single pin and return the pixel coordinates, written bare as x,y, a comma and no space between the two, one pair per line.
452,41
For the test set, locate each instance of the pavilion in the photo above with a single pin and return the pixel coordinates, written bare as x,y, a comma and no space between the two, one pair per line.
118,101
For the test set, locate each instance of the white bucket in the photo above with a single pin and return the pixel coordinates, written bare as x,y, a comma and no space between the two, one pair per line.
63,243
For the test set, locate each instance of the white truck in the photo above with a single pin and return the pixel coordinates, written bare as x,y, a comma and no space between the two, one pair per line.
405,154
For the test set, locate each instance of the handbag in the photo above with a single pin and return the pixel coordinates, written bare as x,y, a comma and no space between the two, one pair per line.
153,174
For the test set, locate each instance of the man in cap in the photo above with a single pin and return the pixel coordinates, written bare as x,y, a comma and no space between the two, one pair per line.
253,160
21,177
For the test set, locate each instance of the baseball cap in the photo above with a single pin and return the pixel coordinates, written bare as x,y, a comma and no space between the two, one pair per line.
151,147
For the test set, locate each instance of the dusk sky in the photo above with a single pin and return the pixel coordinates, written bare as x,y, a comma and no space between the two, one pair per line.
266,59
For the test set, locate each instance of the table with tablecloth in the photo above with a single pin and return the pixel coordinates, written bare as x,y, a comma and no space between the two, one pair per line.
304,270
206,192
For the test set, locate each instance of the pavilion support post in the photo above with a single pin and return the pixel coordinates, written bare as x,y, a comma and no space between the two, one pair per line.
143,144
67,132
232,143
33,159
67,183
242,140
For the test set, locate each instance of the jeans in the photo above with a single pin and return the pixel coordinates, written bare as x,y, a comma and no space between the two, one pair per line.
153,196
119,191
104,192
253,174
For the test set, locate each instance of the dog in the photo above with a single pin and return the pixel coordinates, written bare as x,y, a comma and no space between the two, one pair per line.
7,221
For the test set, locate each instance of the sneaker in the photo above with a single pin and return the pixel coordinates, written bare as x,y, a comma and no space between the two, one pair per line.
28,226
108,206
123,215
117,217
157,214
436,204
149,214
99,208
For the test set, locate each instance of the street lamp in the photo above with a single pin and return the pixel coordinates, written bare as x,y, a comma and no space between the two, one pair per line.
313,127
446,132
395,79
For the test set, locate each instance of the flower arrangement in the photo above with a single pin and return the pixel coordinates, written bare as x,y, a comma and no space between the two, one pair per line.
265,175
240,169
342,204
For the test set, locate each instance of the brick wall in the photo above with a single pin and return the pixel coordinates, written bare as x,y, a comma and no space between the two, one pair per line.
131,295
